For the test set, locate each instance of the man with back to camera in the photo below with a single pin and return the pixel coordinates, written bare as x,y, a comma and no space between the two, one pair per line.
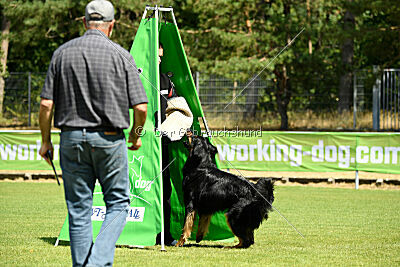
91,83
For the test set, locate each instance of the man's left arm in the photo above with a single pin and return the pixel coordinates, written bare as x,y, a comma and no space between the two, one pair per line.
45,118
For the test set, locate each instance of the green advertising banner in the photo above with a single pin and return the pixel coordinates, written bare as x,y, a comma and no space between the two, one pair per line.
262,151
19,150
308,151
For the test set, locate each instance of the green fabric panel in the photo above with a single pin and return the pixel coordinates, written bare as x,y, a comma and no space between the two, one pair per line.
145,164
174,60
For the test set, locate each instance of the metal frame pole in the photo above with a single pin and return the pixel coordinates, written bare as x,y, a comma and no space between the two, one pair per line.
157,15
173,16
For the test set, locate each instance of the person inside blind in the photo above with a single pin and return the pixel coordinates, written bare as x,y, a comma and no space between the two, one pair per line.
167,90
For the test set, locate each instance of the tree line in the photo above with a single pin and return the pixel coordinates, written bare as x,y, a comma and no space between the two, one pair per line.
233,39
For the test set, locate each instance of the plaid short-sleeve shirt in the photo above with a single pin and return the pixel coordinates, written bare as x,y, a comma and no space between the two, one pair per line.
93,83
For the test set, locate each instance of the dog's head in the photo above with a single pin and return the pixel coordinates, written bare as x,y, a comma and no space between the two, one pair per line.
201,147
194,144
188,143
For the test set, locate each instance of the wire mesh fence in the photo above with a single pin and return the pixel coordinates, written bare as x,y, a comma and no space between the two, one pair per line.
223,95
21,98
390,99
254,104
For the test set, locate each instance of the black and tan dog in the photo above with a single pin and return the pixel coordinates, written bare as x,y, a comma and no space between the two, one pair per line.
206,190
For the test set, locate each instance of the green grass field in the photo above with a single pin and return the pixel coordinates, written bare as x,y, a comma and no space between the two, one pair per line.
341,227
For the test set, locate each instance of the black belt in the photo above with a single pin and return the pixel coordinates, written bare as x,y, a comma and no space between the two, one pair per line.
91,129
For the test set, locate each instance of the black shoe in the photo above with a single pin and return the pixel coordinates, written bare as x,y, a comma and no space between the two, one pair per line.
168,240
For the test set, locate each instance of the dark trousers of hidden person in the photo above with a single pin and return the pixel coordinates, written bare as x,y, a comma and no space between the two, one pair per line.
167,91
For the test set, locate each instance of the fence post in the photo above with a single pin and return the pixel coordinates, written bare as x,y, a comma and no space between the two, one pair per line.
357,181
376,97
198,82
355,100
29,98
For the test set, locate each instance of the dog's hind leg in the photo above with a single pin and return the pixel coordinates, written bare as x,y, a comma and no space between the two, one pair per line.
187,228
204,222
240,239
238,221
245,236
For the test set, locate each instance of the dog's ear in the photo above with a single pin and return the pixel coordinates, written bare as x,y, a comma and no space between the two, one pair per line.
213,150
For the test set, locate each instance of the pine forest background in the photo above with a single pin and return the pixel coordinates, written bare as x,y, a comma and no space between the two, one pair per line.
309,86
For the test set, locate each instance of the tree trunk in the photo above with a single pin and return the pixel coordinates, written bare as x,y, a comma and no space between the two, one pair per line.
5,30
345,86
283,90
309,25
283,95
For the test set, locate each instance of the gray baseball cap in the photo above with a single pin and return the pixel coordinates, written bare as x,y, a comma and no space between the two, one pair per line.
101,7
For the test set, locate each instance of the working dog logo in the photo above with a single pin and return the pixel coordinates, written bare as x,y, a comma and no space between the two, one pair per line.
135,160
136,178
136,169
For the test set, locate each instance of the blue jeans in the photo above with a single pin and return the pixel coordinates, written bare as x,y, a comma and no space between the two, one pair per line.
86,156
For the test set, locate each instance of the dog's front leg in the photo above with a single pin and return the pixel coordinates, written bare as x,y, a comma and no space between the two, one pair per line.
204,222
187,228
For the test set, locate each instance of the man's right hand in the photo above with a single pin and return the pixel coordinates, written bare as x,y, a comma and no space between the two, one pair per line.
43,151
140,112
134,138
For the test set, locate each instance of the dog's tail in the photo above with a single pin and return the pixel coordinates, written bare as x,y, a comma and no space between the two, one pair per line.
265,187
250,212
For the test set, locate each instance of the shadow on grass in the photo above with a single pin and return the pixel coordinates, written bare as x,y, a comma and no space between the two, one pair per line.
52,241
202,246
136,247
